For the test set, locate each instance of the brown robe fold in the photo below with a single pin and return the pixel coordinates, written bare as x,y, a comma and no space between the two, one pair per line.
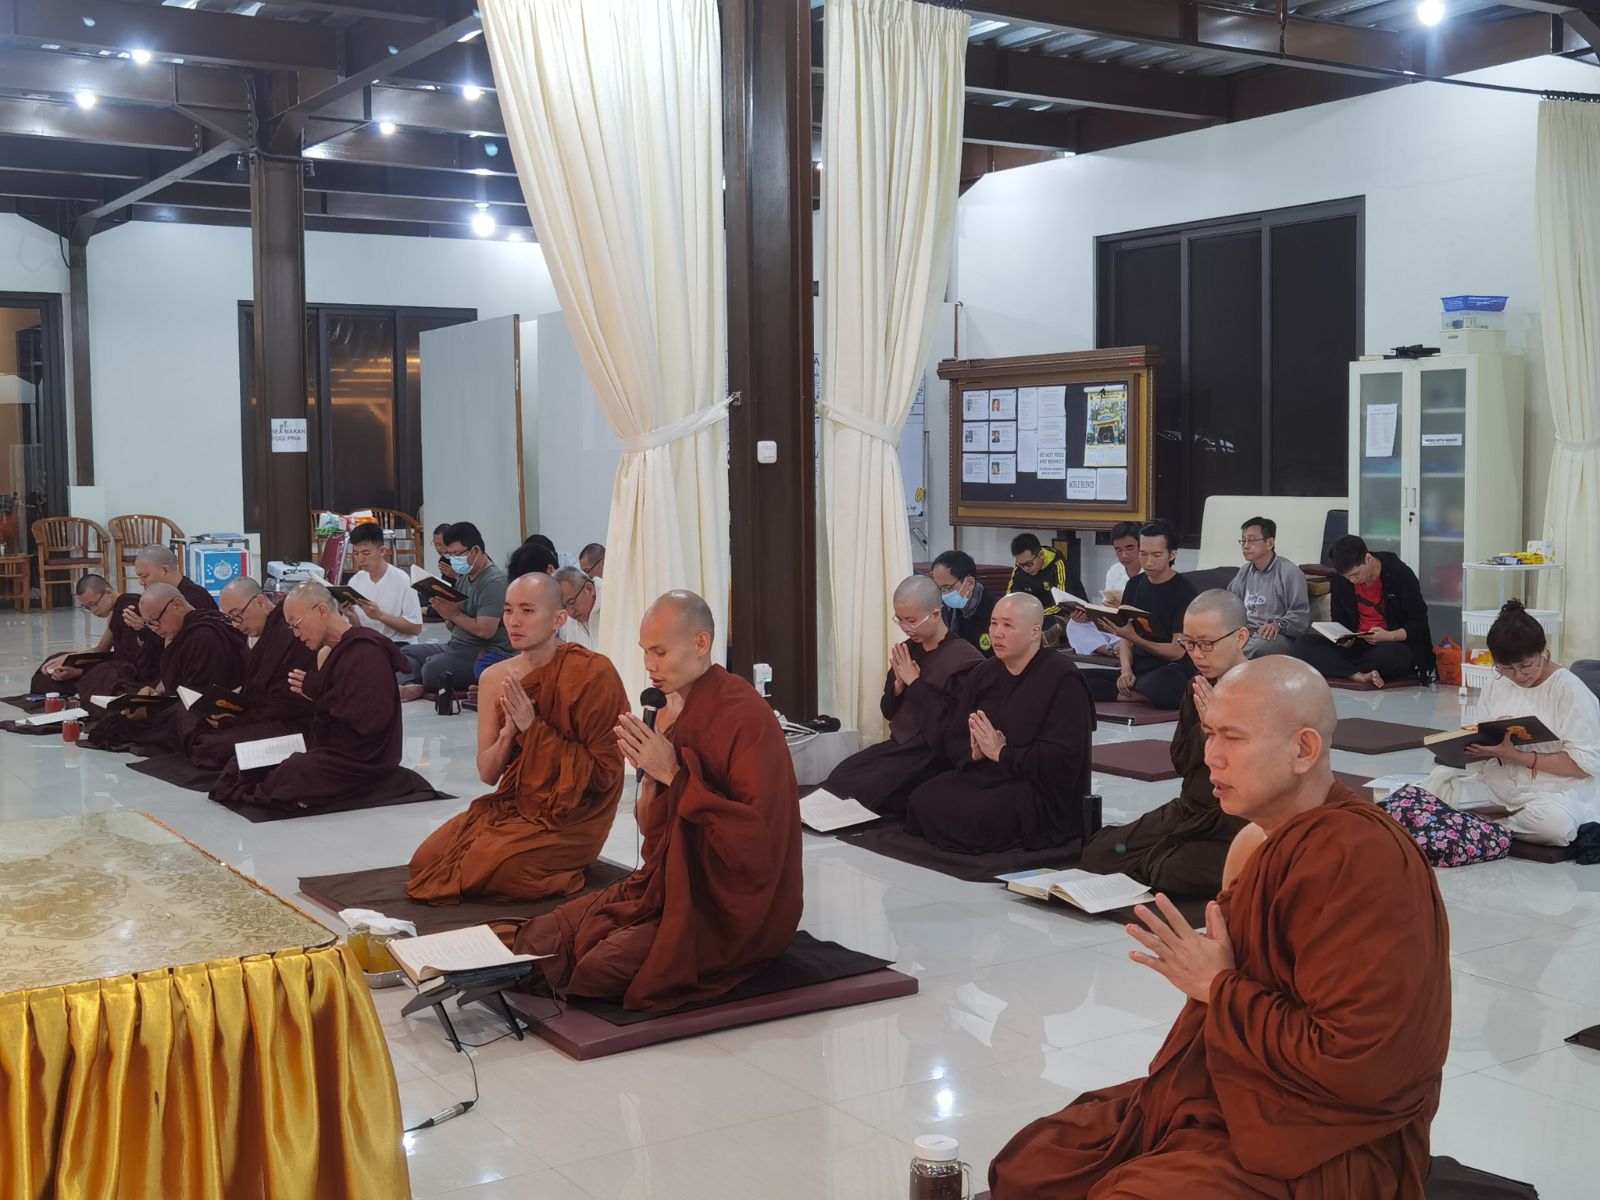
1313,1073
882,777
137,663
1181,847
1032,799
205,652
550,813
197,596
356,736
273,710
719,893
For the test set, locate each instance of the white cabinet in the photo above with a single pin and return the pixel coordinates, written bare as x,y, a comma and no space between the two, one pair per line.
1436,467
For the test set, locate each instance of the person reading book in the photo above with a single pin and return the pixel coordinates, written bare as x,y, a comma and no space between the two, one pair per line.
158,564
547,741
201,650
385,599
920,696
1308,1059
967,605
581,599
1151,666
352,757
1276,601
1181,847
474,622
1041,573
1538,792
135,653
1021,744
270,707
1376,597
1125,545
718,894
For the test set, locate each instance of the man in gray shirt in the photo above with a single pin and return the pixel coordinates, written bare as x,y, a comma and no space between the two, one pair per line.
1276,606
474,624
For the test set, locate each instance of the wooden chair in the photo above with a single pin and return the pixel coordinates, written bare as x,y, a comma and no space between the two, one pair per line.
68,548
132,533
407,547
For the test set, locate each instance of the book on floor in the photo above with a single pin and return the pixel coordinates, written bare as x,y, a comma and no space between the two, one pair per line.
1339,635
55,718
1450,747
471,949
431,587
1143,621
131,703
825,812
1386,785
268,752
222,703
1082,889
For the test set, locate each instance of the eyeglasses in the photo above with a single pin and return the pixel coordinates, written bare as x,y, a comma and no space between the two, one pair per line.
1032,563
236,617
1520,670
156,620
576,596
294,626
1202,645
1251,541
908,626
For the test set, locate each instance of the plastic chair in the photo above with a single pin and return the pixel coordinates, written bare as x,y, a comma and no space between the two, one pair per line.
132,533
68,548
407,547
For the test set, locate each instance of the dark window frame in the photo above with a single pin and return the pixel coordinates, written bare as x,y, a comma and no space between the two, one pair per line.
53,427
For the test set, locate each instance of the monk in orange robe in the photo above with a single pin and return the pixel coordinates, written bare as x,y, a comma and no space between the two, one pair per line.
718,895
547,739
1307,1063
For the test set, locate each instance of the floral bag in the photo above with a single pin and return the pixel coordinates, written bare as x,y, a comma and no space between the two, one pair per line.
1447,838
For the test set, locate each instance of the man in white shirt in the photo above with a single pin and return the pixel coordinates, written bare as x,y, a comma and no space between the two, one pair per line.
580,596
390,604
1125,541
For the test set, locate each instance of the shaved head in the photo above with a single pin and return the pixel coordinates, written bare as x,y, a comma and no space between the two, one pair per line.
241,590
918,590
536,586
310,594
533,615
1024,608
159,557
313,616
693,613
1292,695
1221,604
158,595
91,586
1015,630
676,635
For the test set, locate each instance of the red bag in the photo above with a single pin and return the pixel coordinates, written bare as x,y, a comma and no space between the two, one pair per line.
1447,659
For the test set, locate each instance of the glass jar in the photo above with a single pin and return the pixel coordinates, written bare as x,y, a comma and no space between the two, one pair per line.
937,1172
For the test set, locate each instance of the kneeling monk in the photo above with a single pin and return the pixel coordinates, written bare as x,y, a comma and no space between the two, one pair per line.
135,653
1022,742
271,707
353,754
1307,1063
547,737
719,893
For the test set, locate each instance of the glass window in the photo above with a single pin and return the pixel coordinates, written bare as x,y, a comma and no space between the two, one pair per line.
33,449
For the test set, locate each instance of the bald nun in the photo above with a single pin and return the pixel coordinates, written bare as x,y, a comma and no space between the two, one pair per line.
158,564
1021,741
719,894
1307,1061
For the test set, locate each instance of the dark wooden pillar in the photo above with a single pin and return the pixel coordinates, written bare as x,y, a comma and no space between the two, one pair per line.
766,50
82,391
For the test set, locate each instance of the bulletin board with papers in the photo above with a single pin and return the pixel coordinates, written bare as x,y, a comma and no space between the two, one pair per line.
1057,440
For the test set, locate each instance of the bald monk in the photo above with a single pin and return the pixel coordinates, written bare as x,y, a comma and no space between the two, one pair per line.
1307,1062
1022,741
718,895
352,757
158,564
1181,847
547,740
920,695
200,650
135,653
271,707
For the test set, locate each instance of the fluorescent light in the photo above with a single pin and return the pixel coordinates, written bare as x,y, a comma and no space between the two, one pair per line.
387,127
482,224
142,57
472,91
1431,12
467,37
85,98
482,171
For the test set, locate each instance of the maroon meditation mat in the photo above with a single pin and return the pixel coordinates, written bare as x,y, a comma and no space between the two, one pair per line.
1361,685
176,769
1449,1180
1363,735
401,786
383,889
1124,712
1149,760
889,838
1534,852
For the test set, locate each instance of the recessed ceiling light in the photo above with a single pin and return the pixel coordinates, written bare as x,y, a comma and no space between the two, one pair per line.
1431,12
89,22
491,149
482,223
387,127
85,98
142,57
472,91
49,45
514,236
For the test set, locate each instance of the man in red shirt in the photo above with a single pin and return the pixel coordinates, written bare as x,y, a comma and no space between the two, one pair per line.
1379,597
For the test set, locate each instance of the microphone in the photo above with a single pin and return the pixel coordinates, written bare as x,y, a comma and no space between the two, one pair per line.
652,700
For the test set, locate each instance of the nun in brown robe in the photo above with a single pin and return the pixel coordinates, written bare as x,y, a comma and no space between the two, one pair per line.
135,653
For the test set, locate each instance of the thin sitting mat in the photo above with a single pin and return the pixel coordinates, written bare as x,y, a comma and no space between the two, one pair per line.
1534,852
383,889
32,730
890,839
1363,735
1449,1180
1149,760
1126,712
1361,685
176,769
22,702
386,791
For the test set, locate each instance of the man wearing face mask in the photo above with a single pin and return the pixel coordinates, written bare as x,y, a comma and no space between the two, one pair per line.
967,606
474,624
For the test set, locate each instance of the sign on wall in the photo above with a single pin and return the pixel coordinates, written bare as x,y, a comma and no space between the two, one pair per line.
288,435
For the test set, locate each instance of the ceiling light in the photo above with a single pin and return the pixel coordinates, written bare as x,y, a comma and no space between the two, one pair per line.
387,128
85,98
1431,12
482,171
472,91
514,236
491,149
142,57
467,37
482,223
49,45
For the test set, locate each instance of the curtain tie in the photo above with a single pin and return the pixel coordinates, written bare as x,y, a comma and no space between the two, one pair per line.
1577,445
665,435
860,424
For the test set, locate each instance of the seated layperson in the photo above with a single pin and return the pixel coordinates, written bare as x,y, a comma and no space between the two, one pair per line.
967,605
1307,1062
136,653
272,708
1181,847
388,602
547,741
1125,544
1539,793
1379,597
920,695
1153,669
581,599
474,622
719,892
1276,602
592,560
1022,742
1040,572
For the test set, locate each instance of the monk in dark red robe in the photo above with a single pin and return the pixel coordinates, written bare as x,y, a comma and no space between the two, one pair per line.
135,653
271,707
352,758
201,651
1307,1063
158,564
719,893
547,740
920,698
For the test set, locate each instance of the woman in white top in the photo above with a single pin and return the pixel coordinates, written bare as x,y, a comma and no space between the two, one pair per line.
1539,793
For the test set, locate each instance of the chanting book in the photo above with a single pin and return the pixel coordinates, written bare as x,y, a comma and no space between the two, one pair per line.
471,949
133,705
1450,747
84,659
825,812
268,752
345,595
1339,635
222,703
431,587
55,718
1142,620
1081,889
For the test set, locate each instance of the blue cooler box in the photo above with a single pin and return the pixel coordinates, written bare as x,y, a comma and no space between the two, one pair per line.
215,564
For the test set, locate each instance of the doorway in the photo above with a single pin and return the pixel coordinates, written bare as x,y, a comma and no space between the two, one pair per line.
33,430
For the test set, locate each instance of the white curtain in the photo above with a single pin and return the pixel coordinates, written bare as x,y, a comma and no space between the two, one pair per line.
1568,203
614,113
891,157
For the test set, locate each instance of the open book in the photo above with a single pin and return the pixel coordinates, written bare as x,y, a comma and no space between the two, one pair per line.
431,587
82,660
1142,620
1339,635
344,594
214,702
135,705
1082,889
1450,747
55,718
470,949
825,812
268,752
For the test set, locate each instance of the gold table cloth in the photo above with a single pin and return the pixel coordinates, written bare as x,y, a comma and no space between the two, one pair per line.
169,1029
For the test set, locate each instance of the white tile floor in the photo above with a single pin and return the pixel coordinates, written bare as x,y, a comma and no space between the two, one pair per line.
1021,1008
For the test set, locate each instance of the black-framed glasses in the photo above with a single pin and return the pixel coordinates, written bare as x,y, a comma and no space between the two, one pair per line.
294,626
1031,563
1204,645
576,596
156,620
236,618
1251,541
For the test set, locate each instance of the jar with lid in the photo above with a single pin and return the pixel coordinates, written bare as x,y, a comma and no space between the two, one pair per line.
937,1172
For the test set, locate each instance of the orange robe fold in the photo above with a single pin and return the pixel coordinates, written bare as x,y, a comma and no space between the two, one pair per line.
1314,1071
550,814
719,893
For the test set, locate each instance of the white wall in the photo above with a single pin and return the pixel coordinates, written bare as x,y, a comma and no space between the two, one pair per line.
577,453
31,261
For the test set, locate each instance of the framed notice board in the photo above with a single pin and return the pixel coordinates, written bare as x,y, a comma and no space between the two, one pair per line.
1063,441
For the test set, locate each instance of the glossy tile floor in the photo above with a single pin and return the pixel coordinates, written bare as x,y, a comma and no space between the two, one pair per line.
1021,1007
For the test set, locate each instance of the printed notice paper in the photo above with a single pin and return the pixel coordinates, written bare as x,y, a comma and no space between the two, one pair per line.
1052,462
974,406
1081,485
1002,437
268,752
974,468
1028,452
1053,401
1052,431
975,436
1003,404
1027,408
1112,483
1381,419
1441,439
825,812
1002,468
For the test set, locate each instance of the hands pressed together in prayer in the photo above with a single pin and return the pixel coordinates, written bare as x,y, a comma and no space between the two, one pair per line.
646,749
516,710
1203,690
906,671
1188,959
987,741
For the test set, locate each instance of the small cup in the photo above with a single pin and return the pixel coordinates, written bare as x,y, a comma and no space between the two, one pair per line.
71,731
53,702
